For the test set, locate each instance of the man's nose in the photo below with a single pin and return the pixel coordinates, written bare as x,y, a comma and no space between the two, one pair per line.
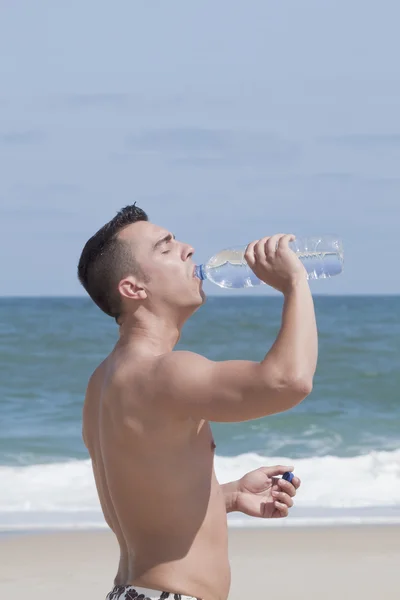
188,251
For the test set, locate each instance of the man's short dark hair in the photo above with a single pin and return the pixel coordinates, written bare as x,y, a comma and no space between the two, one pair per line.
106,259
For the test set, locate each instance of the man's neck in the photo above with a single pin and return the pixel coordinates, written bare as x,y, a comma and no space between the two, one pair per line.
154,334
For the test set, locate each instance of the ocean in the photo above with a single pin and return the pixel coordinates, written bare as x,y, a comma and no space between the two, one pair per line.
344,439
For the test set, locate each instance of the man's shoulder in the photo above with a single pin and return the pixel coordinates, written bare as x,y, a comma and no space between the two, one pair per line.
171,370
97,374
177,375
179,358
149,385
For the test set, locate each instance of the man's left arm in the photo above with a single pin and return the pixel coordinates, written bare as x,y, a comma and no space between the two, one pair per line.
261,493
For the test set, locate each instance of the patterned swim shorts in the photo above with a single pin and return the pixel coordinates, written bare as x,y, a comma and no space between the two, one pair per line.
128,592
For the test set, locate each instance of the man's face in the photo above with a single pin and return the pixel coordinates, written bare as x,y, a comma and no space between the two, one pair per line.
166,264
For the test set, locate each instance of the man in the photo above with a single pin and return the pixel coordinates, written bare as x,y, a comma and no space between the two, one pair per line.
147,409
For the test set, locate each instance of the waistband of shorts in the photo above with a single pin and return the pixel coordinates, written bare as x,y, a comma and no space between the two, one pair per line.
134,592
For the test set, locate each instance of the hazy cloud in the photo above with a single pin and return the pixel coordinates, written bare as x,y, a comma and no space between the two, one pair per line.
38,201
21,138
207,147
389,140
45,190
35,212
111,102
63,188
103,100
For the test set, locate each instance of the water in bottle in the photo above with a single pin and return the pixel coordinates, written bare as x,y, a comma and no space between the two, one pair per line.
321,256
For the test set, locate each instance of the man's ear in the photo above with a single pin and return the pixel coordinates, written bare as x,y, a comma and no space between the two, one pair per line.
129,288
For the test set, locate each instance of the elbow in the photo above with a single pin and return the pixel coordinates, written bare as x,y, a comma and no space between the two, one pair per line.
297,389
303,386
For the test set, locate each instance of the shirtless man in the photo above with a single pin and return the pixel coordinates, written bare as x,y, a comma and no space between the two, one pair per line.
147,409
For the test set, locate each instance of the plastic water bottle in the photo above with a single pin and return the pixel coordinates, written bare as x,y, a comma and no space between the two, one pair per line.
321,256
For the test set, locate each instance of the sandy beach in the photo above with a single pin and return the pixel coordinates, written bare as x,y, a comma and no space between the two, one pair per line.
359,562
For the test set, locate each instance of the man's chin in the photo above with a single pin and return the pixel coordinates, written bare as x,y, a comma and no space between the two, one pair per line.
202,298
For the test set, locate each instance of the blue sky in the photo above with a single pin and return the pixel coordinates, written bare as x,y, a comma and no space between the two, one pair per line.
225,121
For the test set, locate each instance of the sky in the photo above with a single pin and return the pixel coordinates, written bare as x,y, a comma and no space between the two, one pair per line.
225,121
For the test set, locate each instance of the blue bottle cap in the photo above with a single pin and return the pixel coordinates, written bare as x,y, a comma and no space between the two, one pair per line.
199,272
288,476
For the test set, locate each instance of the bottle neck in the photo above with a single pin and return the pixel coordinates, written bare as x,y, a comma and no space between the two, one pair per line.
199,272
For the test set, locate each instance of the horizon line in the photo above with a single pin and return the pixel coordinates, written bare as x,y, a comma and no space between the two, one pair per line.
232,295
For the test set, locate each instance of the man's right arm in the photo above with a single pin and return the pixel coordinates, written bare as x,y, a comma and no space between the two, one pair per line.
229,391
